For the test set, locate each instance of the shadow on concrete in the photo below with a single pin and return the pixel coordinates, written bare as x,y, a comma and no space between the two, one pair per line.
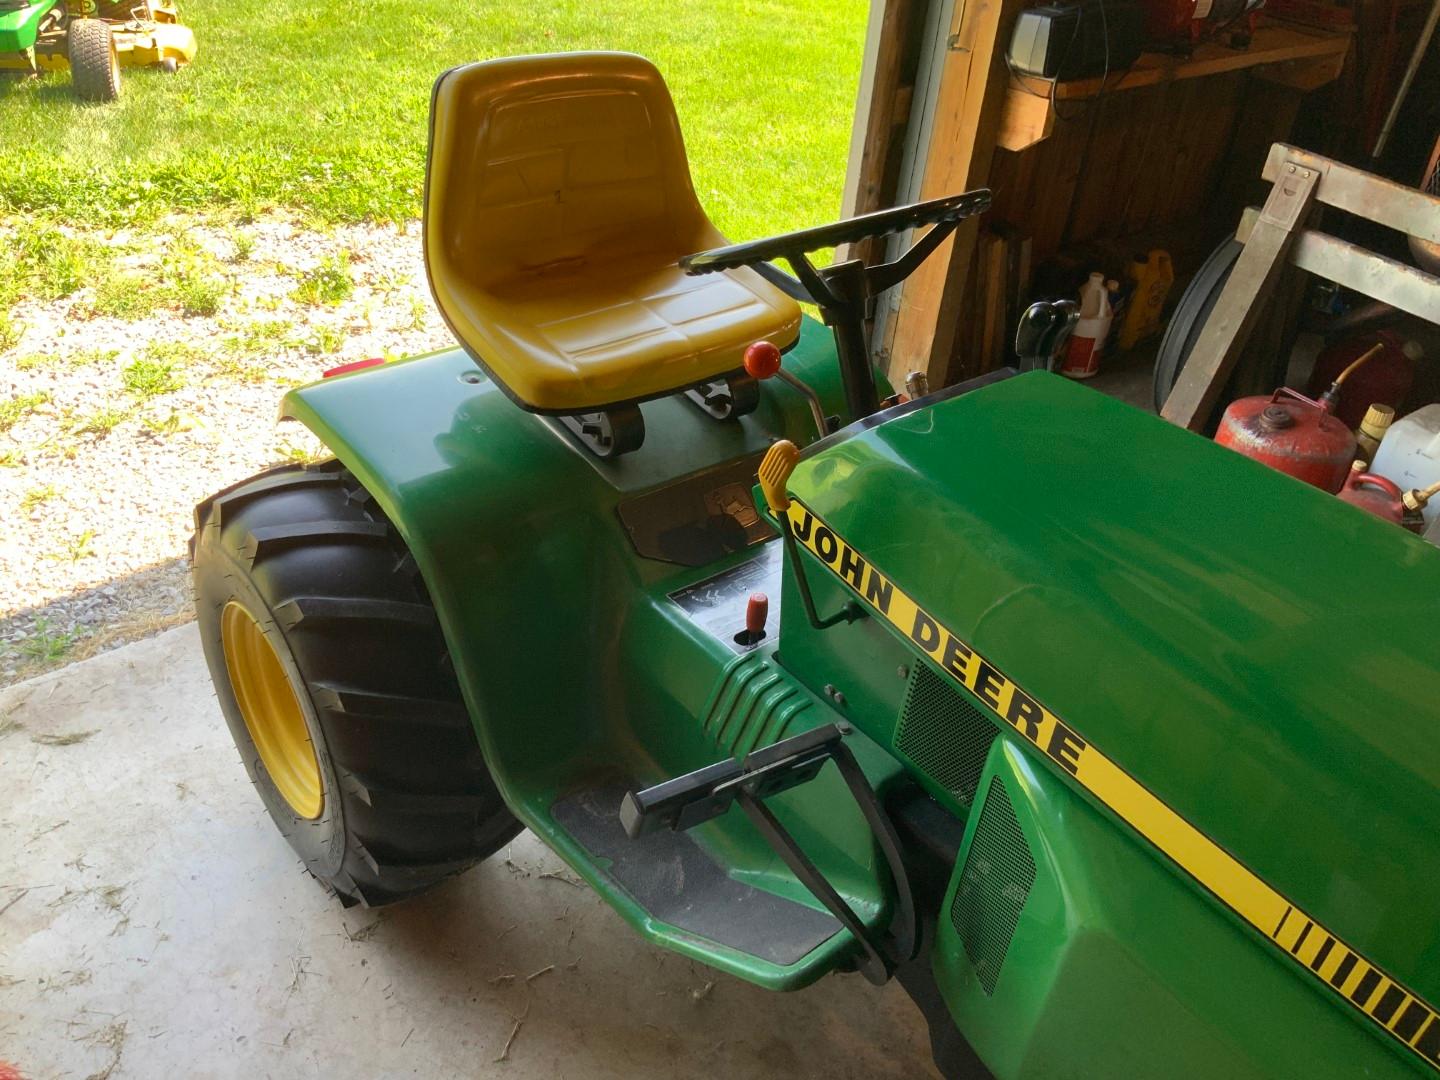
93,619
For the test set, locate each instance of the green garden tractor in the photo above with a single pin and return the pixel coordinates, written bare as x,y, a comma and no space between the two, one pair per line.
94,39
1008,691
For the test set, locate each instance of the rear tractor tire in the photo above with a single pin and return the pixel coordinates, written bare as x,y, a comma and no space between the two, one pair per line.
333,675
94,62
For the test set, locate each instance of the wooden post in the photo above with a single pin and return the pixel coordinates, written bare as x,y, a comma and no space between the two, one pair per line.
1251,281
969,106
881,112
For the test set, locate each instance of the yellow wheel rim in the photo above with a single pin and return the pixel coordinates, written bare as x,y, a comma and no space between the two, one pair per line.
272,711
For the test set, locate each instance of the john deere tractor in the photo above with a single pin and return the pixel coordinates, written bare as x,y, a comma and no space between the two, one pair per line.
94,39
1008,691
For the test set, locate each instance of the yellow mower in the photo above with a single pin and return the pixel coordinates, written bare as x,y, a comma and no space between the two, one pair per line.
94,39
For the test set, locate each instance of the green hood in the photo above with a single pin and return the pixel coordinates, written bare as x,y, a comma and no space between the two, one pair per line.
1257,654
19,23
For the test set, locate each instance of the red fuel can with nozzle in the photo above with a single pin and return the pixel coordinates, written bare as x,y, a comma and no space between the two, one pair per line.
1374,494
1293,434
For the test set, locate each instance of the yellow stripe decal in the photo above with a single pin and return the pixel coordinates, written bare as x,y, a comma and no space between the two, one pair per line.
1396,1011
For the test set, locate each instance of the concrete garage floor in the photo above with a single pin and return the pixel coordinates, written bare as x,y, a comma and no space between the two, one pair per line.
153,923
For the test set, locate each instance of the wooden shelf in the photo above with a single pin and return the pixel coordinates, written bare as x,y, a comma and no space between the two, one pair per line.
1302,57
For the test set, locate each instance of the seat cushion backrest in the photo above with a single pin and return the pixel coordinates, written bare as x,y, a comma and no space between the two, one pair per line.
541,162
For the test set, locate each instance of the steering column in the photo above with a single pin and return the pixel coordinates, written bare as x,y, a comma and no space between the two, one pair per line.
844,291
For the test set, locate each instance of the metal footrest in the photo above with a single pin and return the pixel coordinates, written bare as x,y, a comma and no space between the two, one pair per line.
697,797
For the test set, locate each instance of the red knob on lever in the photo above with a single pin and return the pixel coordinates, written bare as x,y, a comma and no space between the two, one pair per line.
762,360
756,612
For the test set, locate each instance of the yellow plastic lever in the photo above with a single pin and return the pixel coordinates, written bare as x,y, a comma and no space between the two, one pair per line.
780,461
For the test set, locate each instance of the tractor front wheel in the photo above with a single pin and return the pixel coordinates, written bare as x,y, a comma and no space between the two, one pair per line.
94,62
332,672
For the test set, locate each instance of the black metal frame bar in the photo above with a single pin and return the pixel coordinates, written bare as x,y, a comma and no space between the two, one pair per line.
849,613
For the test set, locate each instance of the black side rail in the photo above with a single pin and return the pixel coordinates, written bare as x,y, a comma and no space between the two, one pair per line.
696,797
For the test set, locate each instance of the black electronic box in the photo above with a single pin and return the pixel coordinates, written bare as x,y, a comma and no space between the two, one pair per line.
1077,40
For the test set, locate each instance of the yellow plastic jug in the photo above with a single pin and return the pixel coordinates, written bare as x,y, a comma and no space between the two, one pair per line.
1153,275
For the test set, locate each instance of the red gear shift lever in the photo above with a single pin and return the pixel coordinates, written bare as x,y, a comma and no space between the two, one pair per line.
762,360
756,612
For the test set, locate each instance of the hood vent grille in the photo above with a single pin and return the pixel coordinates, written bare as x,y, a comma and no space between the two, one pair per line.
943,734
996,880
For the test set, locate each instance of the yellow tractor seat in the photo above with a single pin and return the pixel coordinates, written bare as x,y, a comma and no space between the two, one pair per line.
558,201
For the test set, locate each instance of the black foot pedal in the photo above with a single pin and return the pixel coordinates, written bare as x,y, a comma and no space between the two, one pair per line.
707,793
609,433
725,399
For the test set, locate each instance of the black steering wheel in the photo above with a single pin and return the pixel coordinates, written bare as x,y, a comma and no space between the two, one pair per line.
947,211
844,290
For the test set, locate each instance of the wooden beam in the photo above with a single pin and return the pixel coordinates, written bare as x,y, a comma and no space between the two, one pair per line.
1284,55
1026,120
1366,195
874,107
1272,43
1241,302
1304,75
881,114
1381,278
969,102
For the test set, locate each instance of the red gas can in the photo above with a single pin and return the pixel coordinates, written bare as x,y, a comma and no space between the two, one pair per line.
1374,494
1383,498
1192,20
1289,432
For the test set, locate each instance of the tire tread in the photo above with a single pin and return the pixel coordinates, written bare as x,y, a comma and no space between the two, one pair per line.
90,47
417,799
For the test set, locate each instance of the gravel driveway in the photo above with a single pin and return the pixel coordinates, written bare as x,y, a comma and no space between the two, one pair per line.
113,425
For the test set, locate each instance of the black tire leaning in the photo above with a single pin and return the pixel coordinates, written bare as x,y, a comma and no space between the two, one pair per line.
1190,316
408,799
94,63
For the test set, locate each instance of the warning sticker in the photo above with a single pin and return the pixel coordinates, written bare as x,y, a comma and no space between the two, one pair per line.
1400,1014
717,604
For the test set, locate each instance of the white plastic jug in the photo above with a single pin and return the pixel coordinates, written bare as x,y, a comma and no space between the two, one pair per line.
1410,454
1082,352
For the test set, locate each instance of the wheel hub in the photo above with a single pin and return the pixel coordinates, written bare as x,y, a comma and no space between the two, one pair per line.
272,711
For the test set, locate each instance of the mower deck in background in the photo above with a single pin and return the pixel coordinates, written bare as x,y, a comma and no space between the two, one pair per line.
94,39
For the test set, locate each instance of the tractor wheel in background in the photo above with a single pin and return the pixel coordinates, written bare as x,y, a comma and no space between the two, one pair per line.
333,675
169,65
1195,305
94,63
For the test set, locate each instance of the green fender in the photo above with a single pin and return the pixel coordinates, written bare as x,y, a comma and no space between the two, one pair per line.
565,646
20,27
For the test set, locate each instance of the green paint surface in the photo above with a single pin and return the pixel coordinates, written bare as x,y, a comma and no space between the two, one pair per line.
572,658
1125,573
1209,624
19,26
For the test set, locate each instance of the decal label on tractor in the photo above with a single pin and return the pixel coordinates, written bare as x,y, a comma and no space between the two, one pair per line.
1386,1003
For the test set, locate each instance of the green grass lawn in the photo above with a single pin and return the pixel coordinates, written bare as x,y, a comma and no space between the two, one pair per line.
320,105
